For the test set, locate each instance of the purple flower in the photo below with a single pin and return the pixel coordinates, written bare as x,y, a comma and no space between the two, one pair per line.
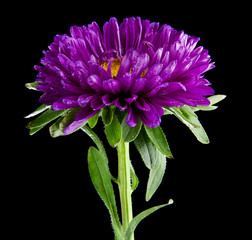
136,66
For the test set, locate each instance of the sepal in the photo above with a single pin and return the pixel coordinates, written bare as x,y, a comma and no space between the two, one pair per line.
32,86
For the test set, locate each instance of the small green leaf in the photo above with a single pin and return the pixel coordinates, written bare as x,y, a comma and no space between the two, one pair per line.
39,110
134,178
157,136
45,118
184,116
130,133
68,119
156,175
213,100
192,123
32,86
146,148
216,98
114,132
107,115
97,141
204,108
93,120
102,182
137,219
36,129
55,130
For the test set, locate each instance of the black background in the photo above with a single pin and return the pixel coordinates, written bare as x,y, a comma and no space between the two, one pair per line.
51,194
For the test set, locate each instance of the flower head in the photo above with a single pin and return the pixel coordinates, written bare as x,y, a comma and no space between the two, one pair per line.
136,66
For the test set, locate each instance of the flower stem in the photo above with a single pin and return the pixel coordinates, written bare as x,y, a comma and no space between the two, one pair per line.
124,183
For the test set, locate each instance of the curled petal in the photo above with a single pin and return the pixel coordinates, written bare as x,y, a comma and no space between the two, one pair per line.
82,116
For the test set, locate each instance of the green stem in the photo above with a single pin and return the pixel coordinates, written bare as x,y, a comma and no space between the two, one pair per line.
124,183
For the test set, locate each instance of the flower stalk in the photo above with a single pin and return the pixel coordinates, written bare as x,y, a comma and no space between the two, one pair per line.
124,183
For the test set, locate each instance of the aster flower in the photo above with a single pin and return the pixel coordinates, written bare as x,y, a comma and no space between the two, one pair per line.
131,75
136,66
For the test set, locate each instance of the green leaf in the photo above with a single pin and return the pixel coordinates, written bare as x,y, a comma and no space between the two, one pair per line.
55,130
45,118
130,133
39,110
32,86
36,129
93,120
97,141
107,115
184,117
134,178
114,132
192,123
216,98
102,182
137,219
157,136
69,118
156,175
213,100
146,148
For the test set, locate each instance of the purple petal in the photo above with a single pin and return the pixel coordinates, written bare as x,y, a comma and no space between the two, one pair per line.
49,98
190,99
108,99
112,86
138,85
65,103
112,36
84,99
96,102
142,104
132,119
82,116
139,63
126,82
95,83
166,101
167,72
154,70
150,118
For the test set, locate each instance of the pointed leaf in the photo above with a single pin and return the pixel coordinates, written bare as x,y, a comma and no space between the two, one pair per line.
130,133
157,136
213,100
184,116
192,123
107,115
114,132
69,118
39,110
103,185
156,175
216,98
32,86
93,120
45,118
55,130
134,178
97,141
136,220
36,129
146,148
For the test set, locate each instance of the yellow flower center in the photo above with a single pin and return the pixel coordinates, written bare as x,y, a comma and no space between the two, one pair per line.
115,67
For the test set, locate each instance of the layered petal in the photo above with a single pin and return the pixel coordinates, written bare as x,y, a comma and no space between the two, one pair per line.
136,66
